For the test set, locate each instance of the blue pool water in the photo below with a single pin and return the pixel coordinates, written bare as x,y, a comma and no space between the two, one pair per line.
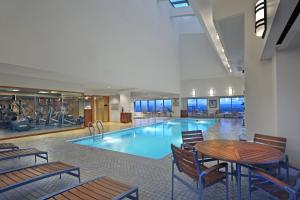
151,141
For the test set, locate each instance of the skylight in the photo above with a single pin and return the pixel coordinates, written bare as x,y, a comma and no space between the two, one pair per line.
179,3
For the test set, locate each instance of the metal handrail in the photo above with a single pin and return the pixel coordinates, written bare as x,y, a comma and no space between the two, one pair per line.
100,128
91,129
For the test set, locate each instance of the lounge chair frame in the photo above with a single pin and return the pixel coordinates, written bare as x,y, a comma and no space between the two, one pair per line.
71,171
38,154
128,194
8,146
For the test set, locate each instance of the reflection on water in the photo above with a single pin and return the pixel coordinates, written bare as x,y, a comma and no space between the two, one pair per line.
151,141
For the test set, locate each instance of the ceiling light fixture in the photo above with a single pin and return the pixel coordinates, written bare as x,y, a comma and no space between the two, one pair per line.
211,92
230,91
194,92
230,70
43,92
15,90
218,37
260,18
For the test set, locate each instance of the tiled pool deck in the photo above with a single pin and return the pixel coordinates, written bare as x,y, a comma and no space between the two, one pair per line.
153,177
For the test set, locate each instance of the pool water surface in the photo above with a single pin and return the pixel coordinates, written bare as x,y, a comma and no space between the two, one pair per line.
151,141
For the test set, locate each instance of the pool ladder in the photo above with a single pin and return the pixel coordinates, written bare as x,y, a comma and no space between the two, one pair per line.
99,126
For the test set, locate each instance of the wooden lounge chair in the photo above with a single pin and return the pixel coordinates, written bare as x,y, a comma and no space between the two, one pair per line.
8,146
277,143
103,188
188,163
15,178
18,153
273,187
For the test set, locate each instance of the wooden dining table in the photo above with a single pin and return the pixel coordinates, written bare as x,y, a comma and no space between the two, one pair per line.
241,153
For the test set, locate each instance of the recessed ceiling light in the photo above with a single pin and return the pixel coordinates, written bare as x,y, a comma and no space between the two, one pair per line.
223,50
53,92
228,65
218,37
15,90
230,70
43,92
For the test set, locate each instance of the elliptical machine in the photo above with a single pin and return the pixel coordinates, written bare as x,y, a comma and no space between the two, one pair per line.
23,123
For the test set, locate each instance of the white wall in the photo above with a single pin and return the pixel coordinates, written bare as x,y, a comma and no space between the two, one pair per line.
197,58
114,115
125,101
288,100
93,41
220,84
259,81
176,107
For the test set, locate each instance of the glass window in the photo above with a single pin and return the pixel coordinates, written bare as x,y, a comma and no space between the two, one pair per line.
225,105
137,106
238,104
192,105
159,104
151,106
202,105
144,105
179,3
167,105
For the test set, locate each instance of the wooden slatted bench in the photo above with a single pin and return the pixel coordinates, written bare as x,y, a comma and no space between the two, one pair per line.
103,188
8,146
18,153
18,177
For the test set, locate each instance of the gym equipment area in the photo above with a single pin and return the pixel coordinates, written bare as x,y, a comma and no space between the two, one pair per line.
26,111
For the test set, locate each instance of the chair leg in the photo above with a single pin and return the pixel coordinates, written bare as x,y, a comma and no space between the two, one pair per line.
287,172
200,194
231,170
137,194
172,197
249,182
227,184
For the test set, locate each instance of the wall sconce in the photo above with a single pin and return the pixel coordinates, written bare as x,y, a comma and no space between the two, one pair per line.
230,91
211,92
194,92
261,18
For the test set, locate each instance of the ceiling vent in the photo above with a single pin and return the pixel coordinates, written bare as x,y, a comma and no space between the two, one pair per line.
289,24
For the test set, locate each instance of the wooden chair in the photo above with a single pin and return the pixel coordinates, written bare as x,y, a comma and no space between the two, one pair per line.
190,139
277,143
273,187
103,188
187,162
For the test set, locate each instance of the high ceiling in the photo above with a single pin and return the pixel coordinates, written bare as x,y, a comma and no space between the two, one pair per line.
231,31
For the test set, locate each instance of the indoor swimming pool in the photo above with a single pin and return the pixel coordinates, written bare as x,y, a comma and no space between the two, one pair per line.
151,141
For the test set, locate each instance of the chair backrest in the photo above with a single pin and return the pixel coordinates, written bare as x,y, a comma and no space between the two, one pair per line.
275,142
192,137
185,161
